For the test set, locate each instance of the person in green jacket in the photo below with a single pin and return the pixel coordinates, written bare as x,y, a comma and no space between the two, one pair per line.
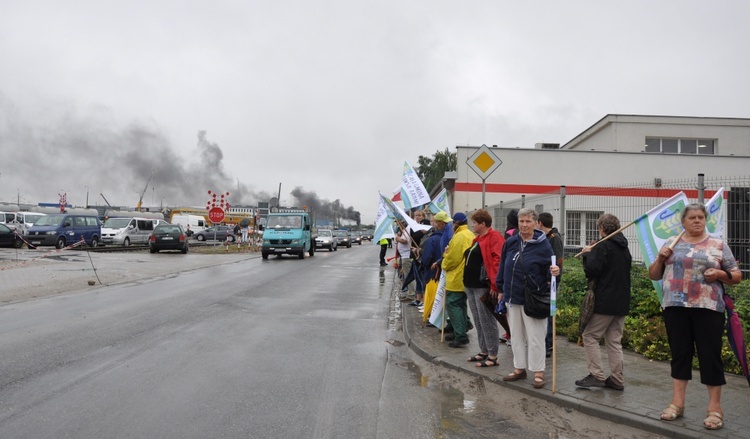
453,265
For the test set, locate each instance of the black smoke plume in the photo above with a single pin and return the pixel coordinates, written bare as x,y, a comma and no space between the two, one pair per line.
325,209
63,151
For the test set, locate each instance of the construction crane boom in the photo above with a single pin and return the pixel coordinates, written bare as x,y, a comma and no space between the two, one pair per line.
105,200
140,201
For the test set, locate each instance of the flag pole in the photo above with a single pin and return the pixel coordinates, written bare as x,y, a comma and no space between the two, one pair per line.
442,329
671,246
554,353
608,236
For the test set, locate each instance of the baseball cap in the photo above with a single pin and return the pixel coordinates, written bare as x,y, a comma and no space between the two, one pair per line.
442,216
459,217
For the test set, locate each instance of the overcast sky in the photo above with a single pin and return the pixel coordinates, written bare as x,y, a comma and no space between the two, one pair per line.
332,96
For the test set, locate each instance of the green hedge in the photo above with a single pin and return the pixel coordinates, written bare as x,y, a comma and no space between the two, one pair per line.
644,329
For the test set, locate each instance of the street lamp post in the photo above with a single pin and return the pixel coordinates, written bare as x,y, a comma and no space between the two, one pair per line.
87,197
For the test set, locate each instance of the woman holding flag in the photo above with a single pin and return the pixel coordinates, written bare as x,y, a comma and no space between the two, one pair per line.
693,268
526,258
608,265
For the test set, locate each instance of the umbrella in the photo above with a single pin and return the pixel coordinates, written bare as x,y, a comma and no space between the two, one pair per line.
491,304
430,290
587,310
245,222
736,336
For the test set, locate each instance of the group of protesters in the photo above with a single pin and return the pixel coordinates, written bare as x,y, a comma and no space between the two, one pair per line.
495,274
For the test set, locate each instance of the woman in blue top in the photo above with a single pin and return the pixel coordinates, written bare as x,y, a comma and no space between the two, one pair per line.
526,254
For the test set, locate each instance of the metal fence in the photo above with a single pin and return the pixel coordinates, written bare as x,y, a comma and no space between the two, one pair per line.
576,209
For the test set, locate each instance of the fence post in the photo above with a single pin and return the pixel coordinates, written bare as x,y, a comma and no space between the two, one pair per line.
563,220
701,187
502,218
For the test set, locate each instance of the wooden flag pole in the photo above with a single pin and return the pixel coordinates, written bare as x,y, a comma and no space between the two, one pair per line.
671,246
608,236
554,353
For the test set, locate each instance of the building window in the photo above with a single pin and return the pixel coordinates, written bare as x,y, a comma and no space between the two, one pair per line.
573,228
680,146
592,232
581,228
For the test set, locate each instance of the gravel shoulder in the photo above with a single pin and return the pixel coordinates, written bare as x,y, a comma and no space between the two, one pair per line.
28,274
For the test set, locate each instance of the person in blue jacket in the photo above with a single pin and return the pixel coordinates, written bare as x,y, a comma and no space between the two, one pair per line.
527,254
432,250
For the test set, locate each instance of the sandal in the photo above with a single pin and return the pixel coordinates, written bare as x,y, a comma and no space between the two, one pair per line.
477,357
515,375
714,420
539,381
489,362
672,412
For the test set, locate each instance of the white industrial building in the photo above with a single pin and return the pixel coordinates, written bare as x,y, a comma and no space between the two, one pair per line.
637,154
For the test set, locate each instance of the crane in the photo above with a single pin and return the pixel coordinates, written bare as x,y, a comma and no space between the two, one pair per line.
140,201
105,200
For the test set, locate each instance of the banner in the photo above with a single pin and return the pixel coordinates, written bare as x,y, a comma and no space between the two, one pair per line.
383,223
436,315
400,195
656,226
398,214
715,218
553,291
413,193
440,203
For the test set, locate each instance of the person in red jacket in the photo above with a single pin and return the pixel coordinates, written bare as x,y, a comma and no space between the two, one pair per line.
482,261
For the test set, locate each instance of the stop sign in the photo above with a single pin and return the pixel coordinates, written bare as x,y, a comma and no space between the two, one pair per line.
216,214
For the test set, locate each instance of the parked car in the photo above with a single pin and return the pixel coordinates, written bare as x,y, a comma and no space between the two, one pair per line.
216,233
326,239
356,237
168,237
9,238
343,238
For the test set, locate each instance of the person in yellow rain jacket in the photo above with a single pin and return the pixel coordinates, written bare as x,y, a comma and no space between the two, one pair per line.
453,265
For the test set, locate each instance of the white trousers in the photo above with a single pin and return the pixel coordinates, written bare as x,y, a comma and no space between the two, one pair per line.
527,336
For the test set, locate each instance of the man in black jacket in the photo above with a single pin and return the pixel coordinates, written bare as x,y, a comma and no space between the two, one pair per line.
608,263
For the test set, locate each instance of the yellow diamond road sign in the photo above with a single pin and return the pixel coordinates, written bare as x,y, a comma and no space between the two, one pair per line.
484,162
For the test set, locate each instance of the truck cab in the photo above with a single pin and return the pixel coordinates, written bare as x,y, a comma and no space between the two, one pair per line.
288,231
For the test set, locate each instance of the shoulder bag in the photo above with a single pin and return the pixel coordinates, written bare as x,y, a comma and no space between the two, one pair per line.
536,301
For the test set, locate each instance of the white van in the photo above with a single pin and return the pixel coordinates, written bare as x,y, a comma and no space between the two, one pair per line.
20,221
190,223
126,231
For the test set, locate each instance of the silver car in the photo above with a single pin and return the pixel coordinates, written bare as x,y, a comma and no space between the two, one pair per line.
325,239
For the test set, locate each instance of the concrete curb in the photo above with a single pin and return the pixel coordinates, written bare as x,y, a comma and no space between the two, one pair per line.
597,410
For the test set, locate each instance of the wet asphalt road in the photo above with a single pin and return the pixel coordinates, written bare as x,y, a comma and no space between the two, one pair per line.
266,349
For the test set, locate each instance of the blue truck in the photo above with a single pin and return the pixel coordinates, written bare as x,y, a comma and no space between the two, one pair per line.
288,231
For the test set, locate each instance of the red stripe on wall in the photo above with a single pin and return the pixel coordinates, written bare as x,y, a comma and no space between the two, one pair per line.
537,189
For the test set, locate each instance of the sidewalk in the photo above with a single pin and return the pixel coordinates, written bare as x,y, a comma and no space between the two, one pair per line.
648,386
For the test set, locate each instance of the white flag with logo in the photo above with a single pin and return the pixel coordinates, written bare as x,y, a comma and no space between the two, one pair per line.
436,316
413,191
715,219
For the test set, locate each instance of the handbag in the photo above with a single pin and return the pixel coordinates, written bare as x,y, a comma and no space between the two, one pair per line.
483,276
536,302
587,307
